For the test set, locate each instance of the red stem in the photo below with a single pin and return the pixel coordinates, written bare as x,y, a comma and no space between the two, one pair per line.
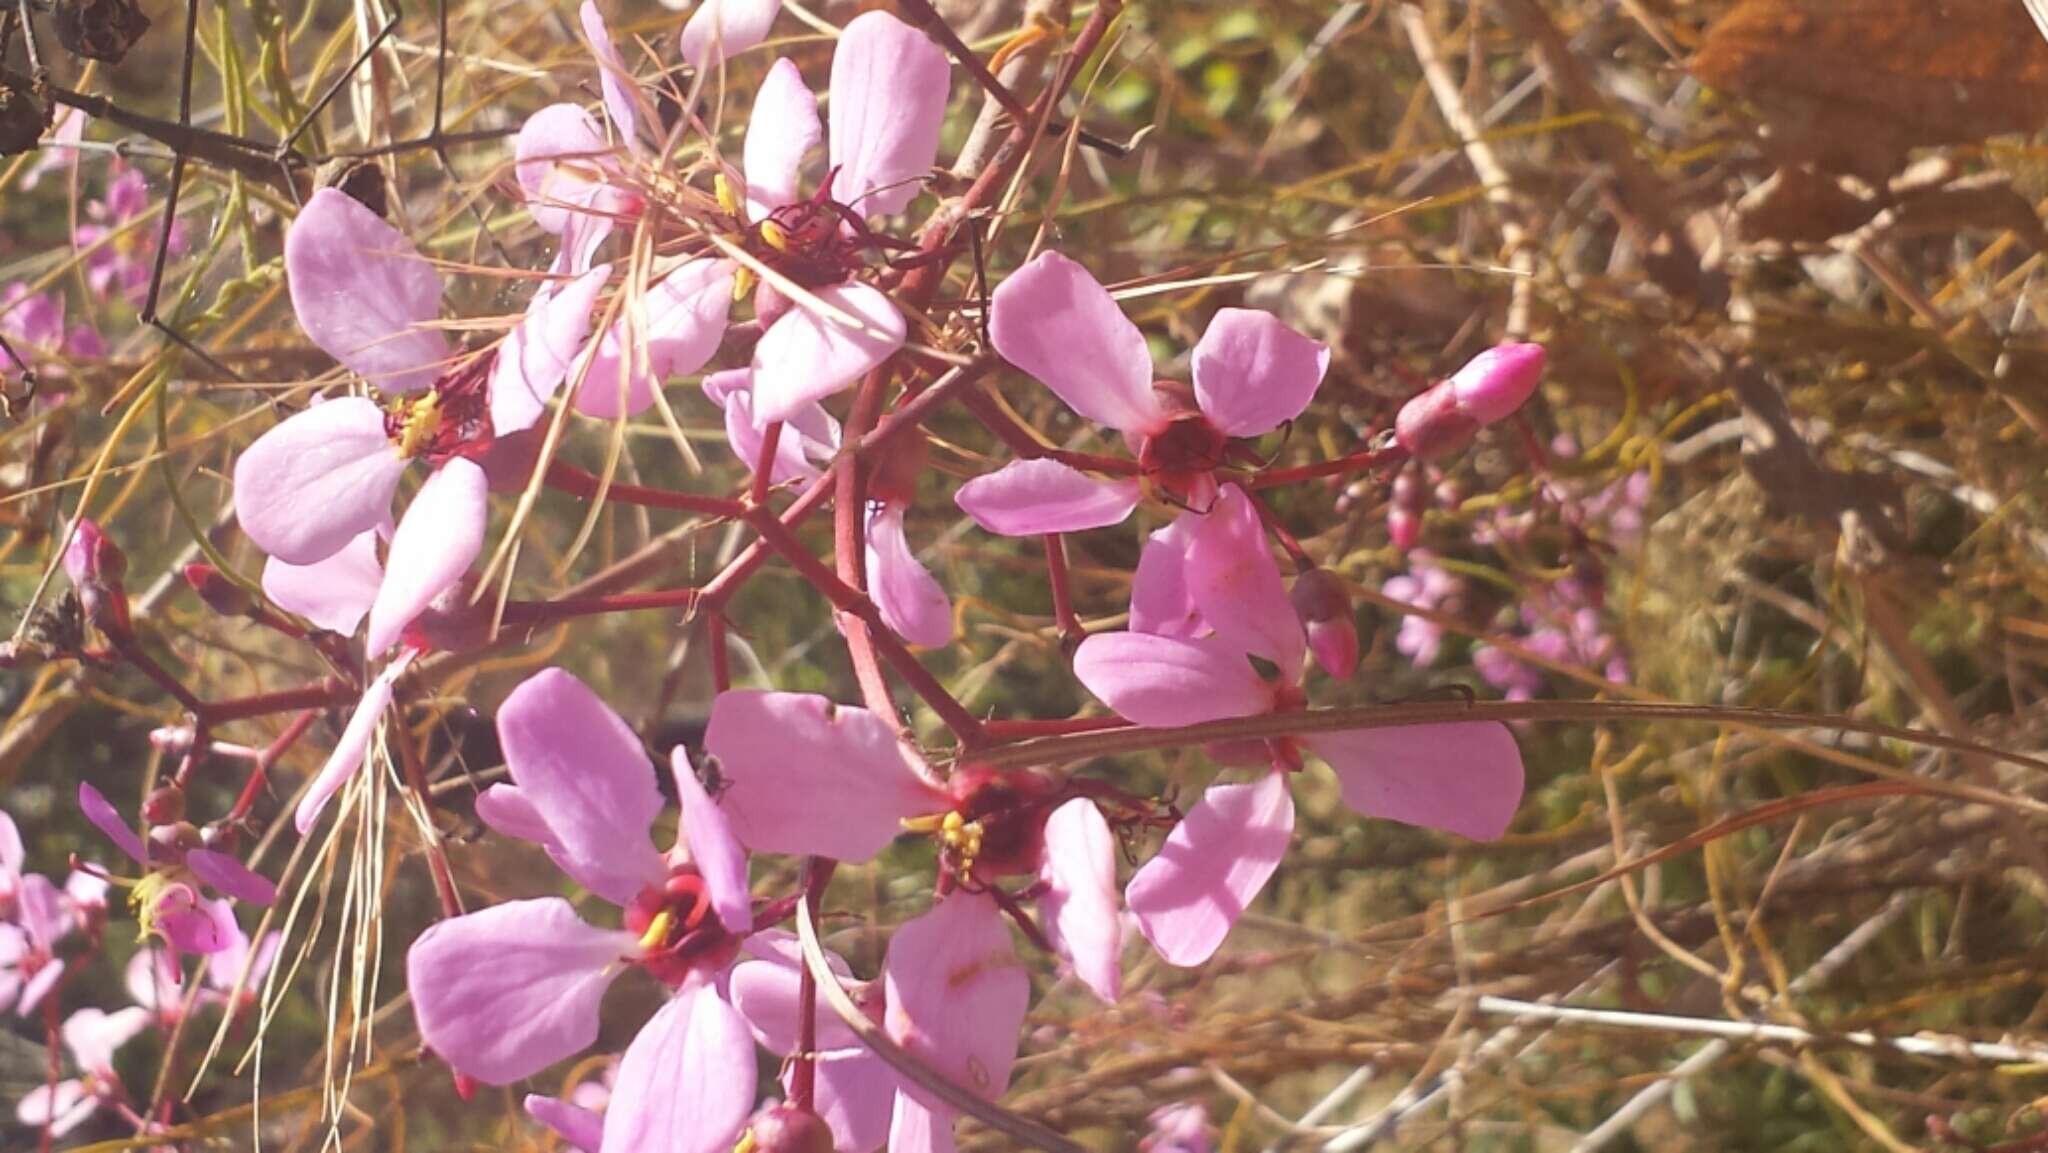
1071,632
324,693
565,477
1391,457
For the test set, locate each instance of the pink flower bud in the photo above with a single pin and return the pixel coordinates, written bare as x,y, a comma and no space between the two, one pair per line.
1431,424
96,565
1444,417
788,1129
1497,382
220,594
1324,606
1404,528
165,806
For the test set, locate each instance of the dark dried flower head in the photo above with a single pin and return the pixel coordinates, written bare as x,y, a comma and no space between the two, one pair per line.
100,29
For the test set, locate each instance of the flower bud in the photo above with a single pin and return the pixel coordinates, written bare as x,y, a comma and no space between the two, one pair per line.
1405,506
788,1129
451,623
1324,606
1497,382
169,843
96,565
1491,387
221,838
220,594
165,806
101,30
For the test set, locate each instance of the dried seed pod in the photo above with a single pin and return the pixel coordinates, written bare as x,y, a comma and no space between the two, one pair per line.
21,120
100,29
361,179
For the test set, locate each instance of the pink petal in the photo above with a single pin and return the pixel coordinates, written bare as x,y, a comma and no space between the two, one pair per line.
1164,682
1080,911
538,354
362,293
582,769
613,76
957,994
806,357
724,28
308,487
11,852
108,820
783,130
680,329
809,438
1160,602
582,1128
917,1128
766,989
890,85
226,969
1461,778
203,927
94,1035
353,746
38,987
910,599
504,992
440,534
561,154
1211,866
333,593
1056,322
686,1084
716,852
41,912
805,776
1253,373
229,877
1236,586
63,1107
1028,497
504,809
855,1091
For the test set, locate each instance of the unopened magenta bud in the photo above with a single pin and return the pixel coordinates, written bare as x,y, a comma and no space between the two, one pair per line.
788,1129
1431,424
1404,528
220,594
96,565
1324,606
165,806
1499,381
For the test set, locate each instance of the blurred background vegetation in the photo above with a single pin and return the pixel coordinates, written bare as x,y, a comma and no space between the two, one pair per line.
1790,456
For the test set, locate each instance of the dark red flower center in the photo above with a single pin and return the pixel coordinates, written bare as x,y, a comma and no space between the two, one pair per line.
679,933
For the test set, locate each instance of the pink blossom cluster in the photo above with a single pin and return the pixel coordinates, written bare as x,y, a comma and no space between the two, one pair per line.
782,285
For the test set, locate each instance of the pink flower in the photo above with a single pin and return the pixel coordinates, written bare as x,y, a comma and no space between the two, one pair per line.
1464,778
805,776
155,980
167,900
29,965
33,324
1050,318
91,1036
12,856
951,991
890,86
122,265
1182,1128
314,485
503,993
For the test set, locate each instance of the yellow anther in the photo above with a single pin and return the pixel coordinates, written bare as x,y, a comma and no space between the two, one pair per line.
728,197
776,236
657,931
742,282
925,824
422,421
1041,29
747,1143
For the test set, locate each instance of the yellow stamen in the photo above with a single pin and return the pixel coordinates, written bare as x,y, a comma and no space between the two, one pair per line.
776,236
657,931
1041,29
924,824
742,282
422,421
747,1143
728,197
